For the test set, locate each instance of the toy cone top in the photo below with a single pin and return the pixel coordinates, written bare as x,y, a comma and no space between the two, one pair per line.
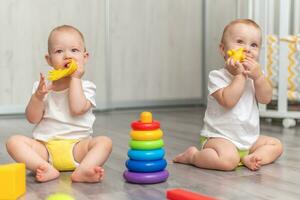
145,123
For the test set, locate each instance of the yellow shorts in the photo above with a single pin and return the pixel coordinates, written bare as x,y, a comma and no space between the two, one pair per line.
242,153
61,154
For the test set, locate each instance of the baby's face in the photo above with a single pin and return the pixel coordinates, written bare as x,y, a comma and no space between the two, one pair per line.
66,45
242,36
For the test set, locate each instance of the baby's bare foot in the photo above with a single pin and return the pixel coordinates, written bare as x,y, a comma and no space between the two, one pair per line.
46,173
253,162
186,157
92,175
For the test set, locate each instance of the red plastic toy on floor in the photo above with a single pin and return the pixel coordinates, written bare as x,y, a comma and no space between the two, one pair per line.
179,194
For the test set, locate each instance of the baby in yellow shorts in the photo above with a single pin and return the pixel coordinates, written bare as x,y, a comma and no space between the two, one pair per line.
62,112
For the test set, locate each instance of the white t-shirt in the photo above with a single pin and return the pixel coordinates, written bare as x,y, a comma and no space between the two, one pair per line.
58,123
239,124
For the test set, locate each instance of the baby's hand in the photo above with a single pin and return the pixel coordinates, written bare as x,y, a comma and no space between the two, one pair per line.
235,68
42,89
252,68
79,72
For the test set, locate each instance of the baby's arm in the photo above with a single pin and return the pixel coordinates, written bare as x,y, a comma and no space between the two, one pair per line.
263,89
77,100
230,95
35,108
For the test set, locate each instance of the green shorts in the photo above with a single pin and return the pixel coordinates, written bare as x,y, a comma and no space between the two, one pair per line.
242,153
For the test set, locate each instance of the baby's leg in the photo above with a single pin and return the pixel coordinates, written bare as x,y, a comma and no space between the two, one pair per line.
92,154
218,153
34,154
264,151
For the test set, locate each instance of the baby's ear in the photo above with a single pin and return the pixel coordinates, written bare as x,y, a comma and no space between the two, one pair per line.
47,57
86,57
222,50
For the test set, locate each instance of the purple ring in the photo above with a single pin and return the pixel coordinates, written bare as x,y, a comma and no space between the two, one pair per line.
146,178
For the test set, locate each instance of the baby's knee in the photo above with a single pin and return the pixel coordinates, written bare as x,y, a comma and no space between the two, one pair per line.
228,165
13,141
104,140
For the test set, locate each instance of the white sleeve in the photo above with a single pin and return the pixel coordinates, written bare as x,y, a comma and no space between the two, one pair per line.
35,86
89,90
216,81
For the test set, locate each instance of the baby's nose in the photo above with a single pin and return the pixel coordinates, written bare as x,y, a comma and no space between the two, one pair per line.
246,49
67,54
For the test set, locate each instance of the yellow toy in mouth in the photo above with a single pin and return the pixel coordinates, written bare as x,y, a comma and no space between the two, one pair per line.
237,55
57,74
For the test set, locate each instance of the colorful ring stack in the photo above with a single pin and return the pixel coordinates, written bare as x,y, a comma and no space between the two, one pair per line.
146,163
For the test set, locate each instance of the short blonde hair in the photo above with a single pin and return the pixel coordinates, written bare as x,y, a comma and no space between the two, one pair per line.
239,21
64,28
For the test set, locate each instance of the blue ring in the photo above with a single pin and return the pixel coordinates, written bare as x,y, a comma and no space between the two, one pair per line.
156,154
146,166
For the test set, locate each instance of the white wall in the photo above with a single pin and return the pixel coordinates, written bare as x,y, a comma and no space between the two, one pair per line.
155,51
143,52
25,26
218,14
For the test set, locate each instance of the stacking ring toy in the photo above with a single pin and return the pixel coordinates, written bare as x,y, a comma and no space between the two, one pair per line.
137,125
146,166
145,123
146,135
146,178
146,155
146,145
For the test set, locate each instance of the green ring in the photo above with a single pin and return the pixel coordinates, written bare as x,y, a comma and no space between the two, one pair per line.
146,145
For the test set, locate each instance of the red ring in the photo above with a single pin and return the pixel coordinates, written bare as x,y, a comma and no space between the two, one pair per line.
139,126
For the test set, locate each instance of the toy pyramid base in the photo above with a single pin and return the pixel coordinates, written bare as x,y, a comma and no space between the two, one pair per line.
146,178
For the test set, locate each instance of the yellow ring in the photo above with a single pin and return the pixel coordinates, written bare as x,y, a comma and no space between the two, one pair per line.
146,135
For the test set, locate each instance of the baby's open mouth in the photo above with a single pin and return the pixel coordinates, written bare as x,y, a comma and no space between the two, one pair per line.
67,64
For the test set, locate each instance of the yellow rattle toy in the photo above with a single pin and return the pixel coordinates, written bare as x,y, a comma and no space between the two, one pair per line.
56,74
237,55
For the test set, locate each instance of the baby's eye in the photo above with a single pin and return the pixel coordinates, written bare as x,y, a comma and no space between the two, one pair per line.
75,50
254,45
239,41
59,51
